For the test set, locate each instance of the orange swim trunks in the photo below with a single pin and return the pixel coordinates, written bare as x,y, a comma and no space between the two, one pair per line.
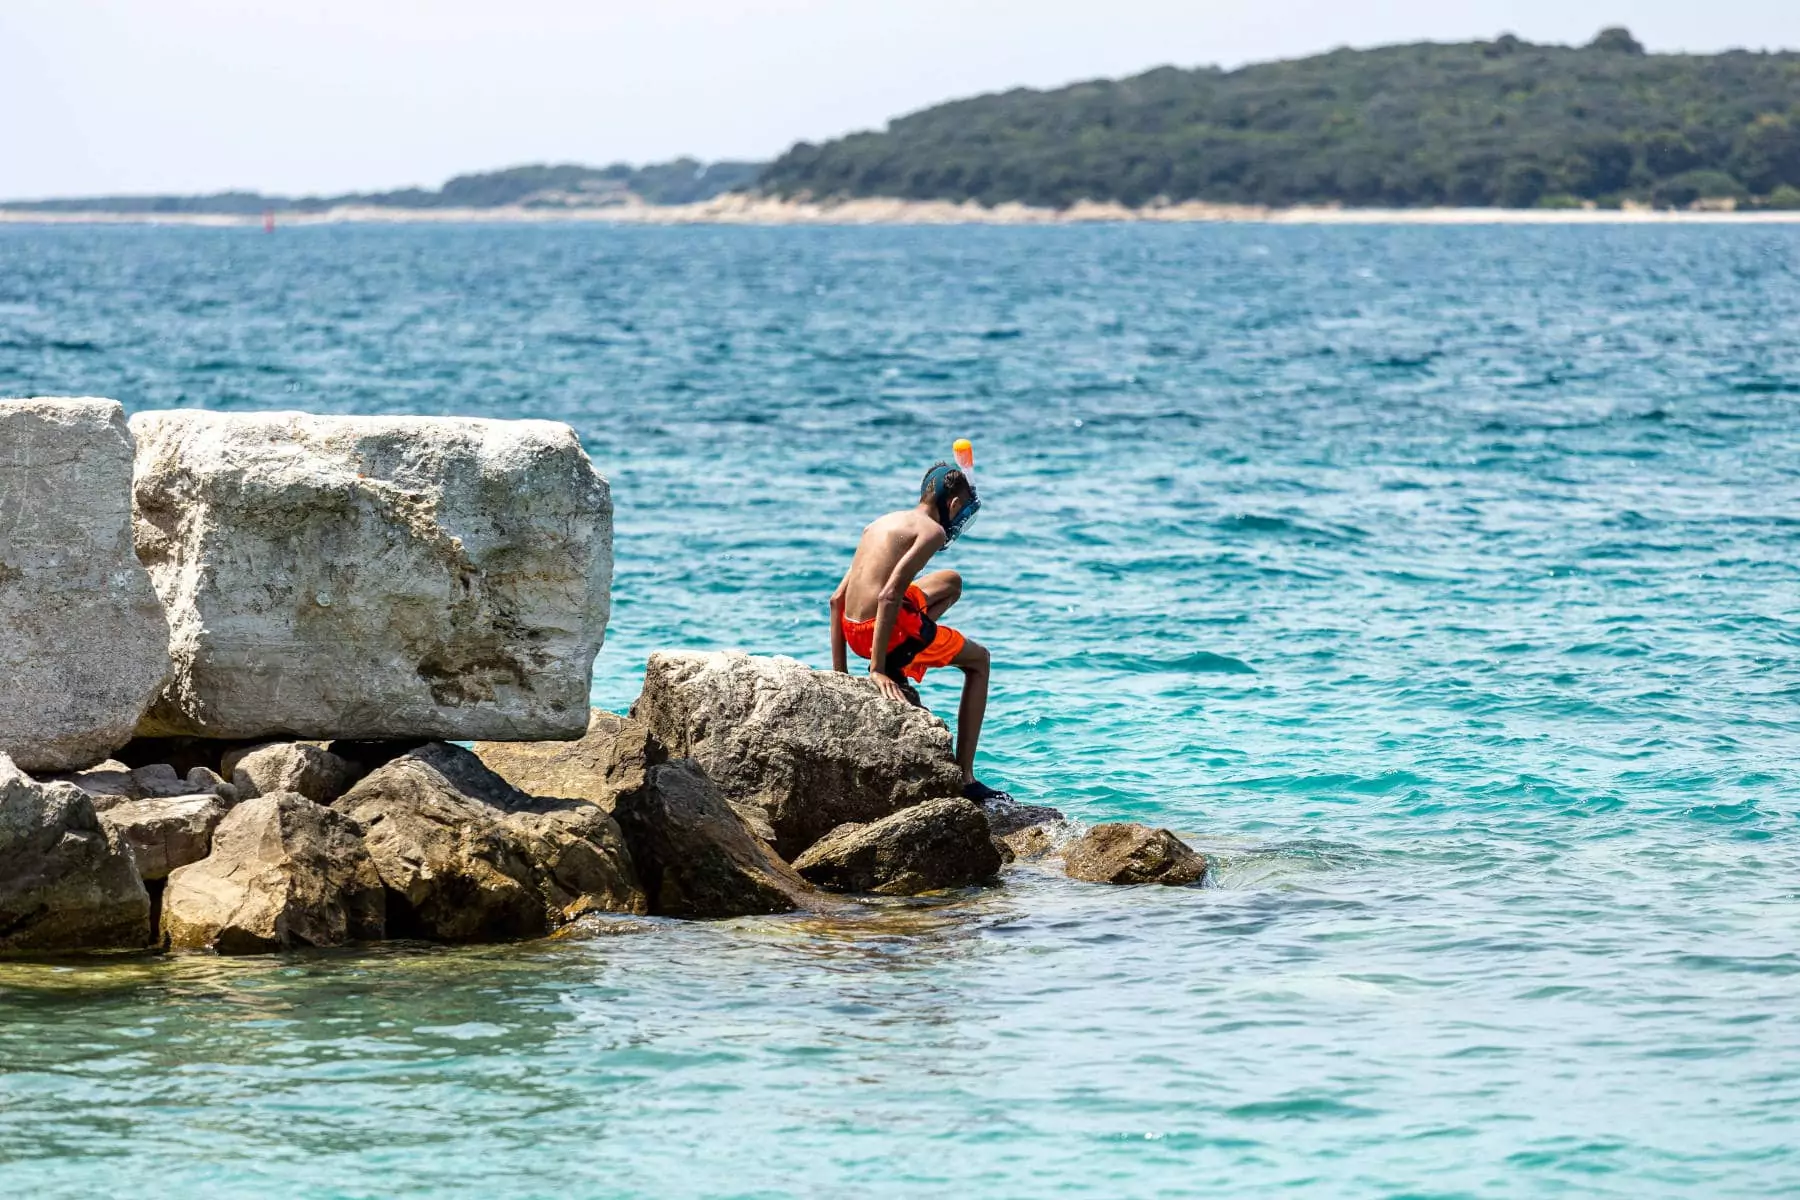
918,643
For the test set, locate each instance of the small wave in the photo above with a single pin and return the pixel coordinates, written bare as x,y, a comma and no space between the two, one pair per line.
1259,523
1200,662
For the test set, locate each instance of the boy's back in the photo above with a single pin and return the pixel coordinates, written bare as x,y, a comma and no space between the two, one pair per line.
886,543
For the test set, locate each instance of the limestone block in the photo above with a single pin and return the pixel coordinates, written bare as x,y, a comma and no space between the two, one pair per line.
373,577
809,750
928,847
84,645
166,832
1124,852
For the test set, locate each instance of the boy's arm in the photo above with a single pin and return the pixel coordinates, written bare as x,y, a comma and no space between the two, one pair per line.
887,609
838,660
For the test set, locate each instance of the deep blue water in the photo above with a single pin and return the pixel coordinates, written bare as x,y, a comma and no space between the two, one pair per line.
1440,583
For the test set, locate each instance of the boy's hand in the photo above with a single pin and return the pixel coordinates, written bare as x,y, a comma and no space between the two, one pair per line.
888,687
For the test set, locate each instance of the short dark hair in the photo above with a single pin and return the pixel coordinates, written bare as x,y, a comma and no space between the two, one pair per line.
956,484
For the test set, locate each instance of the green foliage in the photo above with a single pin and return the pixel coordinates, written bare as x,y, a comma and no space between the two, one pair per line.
1502,122
1689,186
1786,196
682,181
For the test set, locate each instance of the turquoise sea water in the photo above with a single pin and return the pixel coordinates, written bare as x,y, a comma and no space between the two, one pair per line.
1439,583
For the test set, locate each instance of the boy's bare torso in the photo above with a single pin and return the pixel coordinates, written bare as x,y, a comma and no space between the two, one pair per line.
885,542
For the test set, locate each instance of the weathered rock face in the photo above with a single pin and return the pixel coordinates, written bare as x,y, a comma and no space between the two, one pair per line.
609,759
166,833
1034,841
810,750
311,770
372,577
1008,816
468,858
84,645
696,856
65,883
1129,853
939,844
283,873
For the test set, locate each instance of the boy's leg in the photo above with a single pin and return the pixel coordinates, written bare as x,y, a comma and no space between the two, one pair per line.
942,589
973,660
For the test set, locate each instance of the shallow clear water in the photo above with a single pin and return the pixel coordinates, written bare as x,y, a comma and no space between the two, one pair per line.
1440,583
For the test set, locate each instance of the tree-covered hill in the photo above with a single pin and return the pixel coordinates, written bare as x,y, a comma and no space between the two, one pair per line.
1486,123
568,186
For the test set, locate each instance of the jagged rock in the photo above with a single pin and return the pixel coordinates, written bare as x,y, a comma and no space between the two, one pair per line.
83,642
809,750
205,779
1007,816
466,857
938,844
283,873
112,781
303,767
609,759
372,577
166,833
1034,841
1130,853
66,883
696,856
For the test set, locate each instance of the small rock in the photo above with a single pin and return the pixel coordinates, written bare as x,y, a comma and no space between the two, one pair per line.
284,872
158,782
166,833
467,857
304,767
105,782
610,758
66,883
205,779
808,750
1007,816
939,844
1130,853
696,856
1034,841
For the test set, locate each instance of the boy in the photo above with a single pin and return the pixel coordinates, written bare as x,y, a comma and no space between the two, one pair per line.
888,615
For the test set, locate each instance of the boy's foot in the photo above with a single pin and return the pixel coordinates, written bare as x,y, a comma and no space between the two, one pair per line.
981,793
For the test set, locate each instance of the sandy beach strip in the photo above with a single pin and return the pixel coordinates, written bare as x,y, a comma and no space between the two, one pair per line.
738,209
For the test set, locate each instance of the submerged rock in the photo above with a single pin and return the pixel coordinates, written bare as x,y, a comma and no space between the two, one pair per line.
166,832
84,645
1033,841
303,767
610,758
469,858
66,883
372,577
807,750
284,873
938,844
697,857
1130,853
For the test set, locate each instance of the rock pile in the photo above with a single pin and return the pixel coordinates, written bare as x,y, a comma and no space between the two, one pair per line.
239,590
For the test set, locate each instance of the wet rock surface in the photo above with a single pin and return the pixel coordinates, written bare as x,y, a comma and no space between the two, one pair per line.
284,873
1129,853
66,883
372,577
467,857
808,750
697,856
83,641
931,846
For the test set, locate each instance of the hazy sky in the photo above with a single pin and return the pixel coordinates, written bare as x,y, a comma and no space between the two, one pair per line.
104,96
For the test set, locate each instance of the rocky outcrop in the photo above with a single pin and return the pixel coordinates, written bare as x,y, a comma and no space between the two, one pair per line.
166,833
936,845
303,767
696,856
65,883
609,759
466,857
283,873
1129,853
83,642
372,577
807,750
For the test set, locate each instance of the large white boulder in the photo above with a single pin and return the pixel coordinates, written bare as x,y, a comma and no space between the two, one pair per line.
83,642
373,577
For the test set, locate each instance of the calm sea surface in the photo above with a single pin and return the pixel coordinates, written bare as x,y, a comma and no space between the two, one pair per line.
1440,583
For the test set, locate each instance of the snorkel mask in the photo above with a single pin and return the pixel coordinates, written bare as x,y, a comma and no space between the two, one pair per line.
937,482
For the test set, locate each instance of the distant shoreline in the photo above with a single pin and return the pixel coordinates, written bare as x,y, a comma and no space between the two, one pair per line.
738,209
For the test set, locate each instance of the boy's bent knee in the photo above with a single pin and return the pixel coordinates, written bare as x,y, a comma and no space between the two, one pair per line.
974,658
